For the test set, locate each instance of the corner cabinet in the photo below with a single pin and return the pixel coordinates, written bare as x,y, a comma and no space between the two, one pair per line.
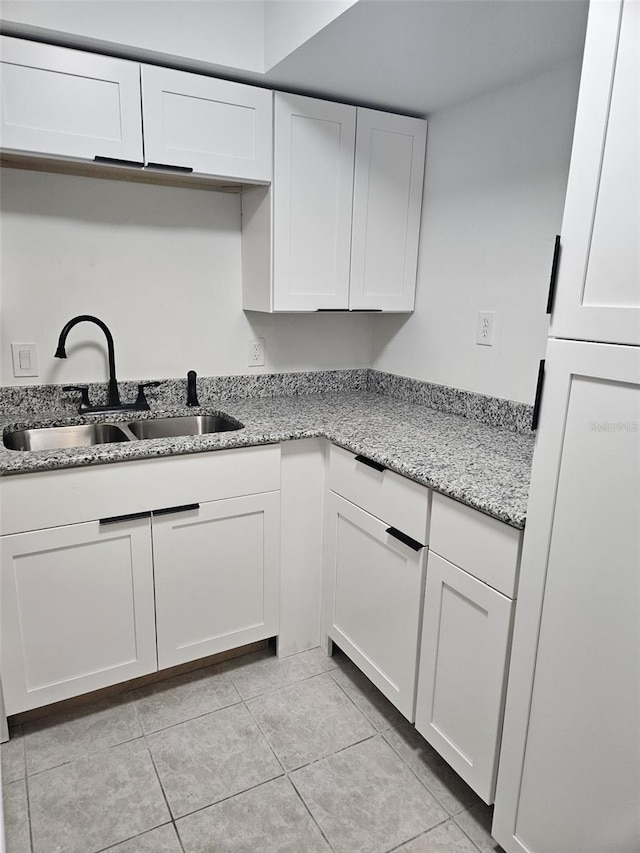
79,606
71,104
339,229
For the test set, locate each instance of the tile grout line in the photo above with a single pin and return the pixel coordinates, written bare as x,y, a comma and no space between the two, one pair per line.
422,782
309,812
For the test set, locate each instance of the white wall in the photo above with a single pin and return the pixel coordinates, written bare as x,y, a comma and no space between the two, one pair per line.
221,32
161,266
289,24
494,192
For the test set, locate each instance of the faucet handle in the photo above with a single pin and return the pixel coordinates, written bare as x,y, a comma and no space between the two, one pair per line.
141,400
85,403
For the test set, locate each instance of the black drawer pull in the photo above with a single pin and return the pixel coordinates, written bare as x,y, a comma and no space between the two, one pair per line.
167,167
170,509
133,516
538,401
406,540
114,161
371,463
554,274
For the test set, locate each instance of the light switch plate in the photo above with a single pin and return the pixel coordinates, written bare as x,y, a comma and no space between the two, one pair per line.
25,359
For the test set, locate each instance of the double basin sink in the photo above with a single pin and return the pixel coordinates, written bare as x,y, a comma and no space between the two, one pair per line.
86,435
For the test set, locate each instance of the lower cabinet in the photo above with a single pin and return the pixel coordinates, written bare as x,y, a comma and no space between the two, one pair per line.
463,672
89,602
216,576
373,596
77,610
472,571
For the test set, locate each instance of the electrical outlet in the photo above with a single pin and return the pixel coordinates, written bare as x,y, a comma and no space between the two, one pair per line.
256,352
484,334
25,359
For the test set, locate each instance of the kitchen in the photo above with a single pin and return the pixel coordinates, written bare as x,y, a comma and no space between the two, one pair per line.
496,171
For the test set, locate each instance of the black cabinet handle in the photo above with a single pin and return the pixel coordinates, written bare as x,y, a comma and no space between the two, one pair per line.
406,540
167,167
170,509
371,463
114,161
133,516
536,406
554,274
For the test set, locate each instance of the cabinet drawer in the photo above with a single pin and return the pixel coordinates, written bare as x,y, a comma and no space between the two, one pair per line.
483,546
53,498
399,502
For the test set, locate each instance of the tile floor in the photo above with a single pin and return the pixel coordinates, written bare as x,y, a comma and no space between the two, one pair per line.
252,755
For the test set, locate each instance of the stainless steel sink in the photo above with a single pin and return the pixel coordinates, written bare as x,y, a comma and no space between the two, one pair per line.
173,427
59,438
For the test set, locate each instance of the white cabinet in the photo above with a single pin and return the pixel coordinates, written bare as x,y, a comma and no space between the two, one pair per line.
466,633
374,572
78,593
69,103
205,125
66,103
463,669
216,576
77,610
339,230
569,774
373,595
598,284
387,201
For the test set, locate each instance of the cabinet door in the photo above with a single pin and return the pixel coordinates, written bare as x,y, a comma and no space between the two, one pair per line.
77,611
313,186
373,599
569,774
205,125
69,103
598,291
463,672
217,576
387,201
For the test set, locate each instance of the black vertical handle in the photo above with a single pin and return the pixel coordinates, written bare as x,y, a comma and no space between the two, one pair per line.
538,400
554,274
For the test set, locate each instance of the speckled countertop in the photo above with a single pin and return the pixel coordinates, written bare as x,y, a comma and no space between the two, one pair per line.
486,467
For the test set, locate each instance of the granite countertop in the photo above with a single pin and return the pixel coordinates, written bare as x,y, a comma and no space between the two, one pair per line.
485,467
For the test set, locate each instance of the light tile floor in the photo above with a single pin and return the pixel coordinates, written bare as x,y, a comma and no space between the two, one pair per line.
253,755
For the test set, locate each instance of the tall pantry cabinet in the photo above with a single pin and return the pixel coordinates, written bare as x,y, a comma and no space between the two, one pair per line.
569,777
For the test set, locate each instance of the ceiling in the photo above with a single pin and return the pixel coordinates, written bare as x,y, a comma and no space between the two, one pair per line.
418,56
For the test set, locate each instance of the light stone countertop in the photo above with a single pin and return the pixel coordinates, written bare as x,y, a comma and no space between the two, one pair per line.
485,467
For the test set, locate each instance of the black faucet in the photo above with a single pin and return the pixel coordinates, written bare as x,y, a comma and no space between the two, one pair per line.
113,396
192,396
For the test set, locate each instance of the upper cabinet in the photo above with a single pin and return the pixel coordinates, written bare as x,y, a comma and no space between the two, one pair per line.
208,126
387,202
313,188
340,228
68,103
598,289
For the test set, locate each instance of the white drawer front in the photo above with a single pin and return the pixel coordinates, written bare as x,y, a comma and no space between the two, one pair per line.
397,501
52,498
483,546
